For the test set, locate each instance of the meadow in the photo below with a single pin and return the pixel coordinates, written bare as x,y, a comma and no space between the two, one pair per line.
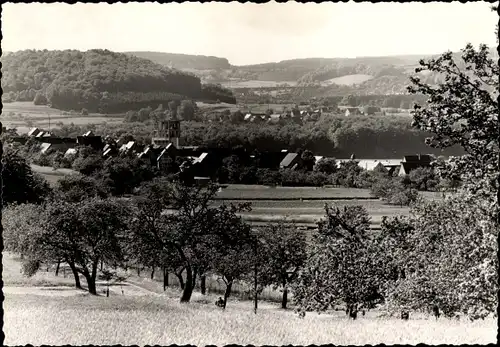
259,192
25,115
347,80
142,316
256,84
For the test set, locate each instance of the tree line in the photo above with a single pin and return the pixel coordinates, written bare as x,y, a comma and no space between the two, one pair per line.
98,80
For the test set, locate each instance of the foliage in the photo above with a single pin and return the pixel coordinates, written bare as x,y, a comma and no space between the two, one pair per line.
191,229
98,80
424,179
284,250
86,233
326,165
463,110
20,184
448,253
340,268
122,174
76,188
393,191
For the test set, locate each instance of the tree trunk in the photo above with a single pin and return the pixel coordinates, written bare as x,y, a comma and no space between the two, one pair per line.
91,277
153,273
102,265
181,280
203,284
57,267
75,274
138,270
189,286
195,274
165,278
90,283
227,293
256,294
285,298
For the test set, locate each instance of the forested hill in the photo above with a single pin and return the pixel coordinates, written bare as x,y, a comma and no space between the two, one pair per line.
309,77
98,80
184,61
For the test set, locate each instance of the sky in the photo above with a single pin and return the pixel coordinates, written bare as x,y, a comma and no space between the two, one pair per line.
251,33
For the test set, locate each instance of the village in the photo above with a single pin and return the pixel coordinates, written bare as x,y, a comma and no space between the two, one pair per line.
202,163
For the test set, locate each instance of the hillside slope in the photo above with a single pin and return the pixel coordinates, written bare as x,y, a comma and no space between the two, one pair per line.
98,80
312,76
184,61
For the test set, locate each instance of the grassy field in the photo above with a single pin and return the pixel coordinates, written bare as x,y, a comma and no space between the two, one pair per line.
24,115
347,80
37,313
50,174
256,84
257,192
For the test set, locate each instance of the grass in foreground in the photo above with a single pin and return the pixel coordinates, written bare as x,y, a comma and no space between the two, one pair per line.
85,319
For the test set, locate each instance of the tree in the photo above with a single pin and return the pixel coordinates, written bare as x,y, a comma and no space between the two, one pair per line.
463,111
447,252
285,254
40,99
326,165
187,110
231,251
20,183
424,179
86,233
76,188
340,268
237,117
123,174
308,160
190,228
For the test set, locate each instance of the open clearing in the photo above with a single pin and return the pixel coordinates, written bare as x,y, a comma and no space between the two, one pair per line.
148,316
347,80
258,192
256,84
24,115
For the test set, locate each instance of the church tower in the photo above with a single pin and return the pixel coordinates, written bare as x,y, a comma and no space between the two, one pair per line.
167,131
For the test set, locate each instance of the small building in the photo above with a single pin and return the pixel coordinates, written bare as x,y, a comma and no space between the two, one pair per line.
70,152
89,139
412,162
129,147
352,111
109,150
290,161
34,132
275,118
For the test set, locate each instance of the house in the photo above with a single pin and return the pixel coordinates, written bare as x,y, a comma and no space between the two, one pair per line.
70,152
89,133
129,147
109,150
34,132
412,162
274,118
271,160
389,165
290,161
47,148
89,139
318,158
165,154
352,111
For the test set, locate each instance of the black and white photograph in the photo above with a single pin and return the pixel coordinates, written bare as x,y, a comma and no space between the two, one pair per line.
225,173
